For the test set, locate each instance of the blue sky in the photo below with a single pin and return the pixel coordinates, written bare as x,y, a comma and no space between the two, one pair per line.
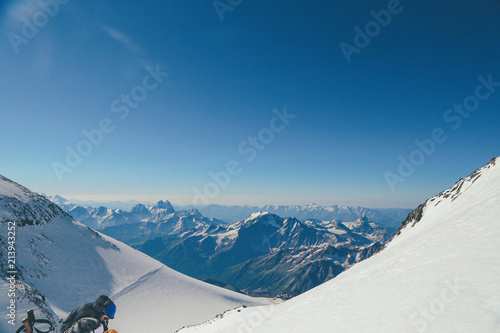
266,91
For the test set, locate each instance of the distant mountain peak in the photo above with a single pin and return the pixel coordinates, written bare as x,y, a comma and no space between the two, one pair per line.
58,197
264,218
164,205
363,219
258,214
140,209
101,210
194,211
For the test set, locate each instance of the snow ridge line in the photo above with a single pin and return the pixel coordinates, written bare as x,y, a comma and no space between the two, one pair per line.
455,191
137,283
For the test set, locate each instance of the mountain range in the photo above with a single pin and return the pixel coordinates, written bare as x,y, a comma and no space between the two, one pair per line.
284,257
266,254
106,214
162,212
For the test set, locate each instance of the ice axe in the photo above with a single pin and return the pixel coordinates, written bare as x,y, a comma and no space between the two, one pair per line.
29,321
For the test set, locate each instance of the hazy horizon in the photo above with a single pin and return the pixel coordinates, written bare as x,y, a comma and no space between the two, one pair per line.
176,201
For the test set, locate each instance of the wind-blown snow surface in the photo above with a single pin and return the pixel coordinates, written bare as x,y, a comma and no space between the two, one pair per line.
441,274
71,264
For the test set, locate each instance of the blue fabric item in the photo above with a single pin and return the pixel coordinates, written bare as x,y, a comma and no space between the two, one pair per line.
110,310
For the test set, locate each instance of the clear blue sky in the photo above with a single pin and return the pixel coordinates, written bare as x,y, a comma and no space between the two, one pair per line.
351,120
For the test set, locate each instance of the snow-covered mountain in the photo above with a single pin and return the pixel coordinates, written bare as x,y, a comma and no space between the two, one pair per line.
439,274
162,213
174,223
268,253
391,217
62,264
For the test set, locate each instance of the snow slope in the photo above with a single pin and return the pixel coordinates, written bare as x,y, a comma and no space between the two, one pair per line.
63,264
440,274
